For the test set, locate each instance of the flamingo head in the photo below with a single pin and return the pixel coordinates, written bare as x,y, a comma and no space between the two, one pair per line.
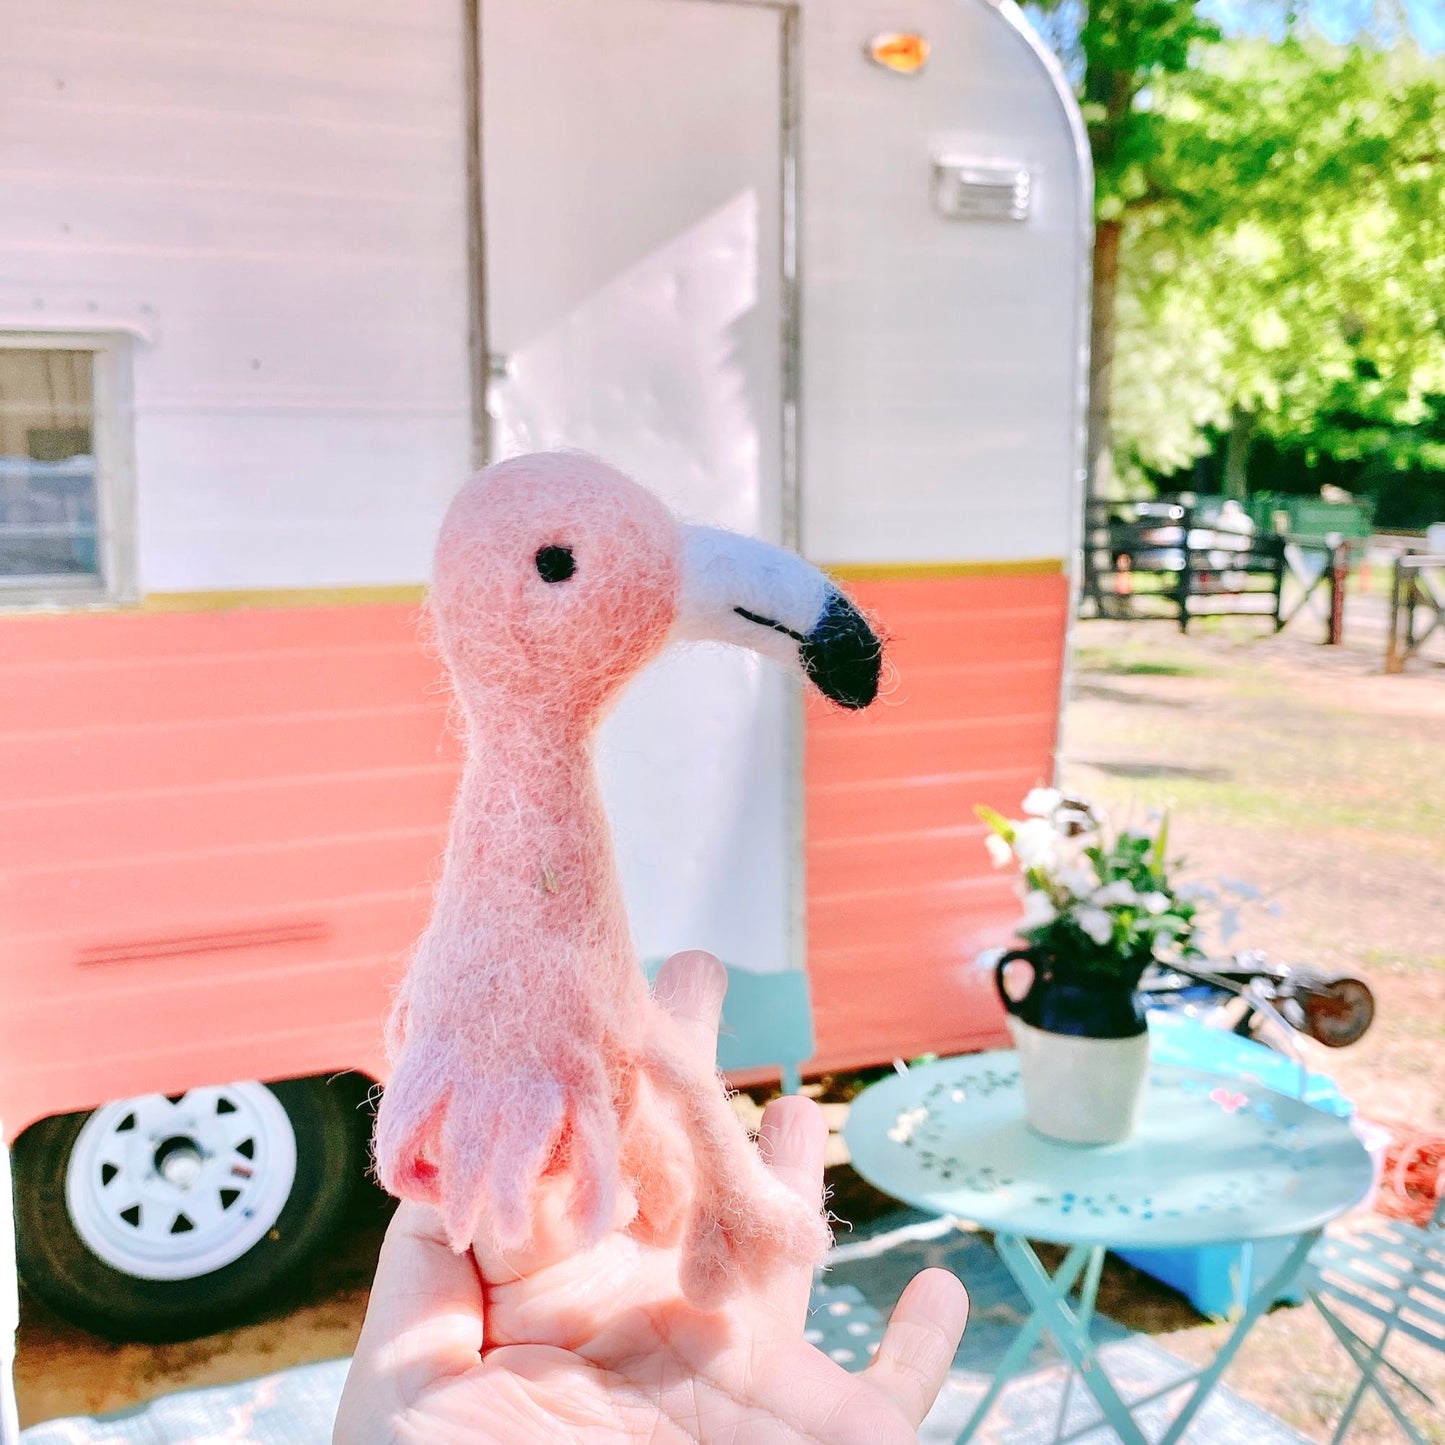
557,578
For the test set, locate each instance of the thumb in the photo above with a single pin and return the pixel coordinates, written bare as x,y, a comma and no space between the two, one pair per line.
424,1320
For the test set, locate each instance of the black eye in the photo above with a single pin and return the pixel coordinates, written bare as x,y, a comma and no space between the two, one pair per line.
555,564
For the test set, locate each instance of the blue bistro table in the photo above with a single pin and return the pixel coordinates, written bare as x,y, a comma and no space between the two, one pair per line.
1214,1161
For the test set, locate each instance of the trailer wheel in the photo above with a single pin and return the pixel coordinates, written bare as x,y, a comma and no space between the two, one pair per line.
168,1217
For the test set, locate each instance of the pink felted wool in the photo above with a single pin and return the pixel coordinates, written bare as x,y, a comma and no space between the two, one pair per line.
524,1042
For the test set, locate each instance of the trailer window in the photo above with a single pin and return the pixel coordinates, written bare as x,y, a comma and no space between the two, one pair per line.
54,511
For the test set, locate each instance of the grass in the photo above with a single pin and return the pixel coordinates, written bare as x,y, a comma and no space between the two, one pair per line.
1382,960
1277,762
1136,662
1150,667
1279,806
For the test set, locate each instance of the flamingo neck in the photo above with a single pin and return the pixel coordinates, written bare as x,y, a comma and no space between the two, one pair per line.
530,856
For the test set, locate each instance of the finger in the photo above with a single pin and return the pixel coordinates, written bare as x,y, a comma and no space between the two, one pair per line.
920,1342
424,1317
792,1140
690,986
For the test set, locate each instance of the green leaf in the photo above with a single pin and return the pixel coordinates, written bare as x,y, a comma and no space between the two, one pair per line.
995,820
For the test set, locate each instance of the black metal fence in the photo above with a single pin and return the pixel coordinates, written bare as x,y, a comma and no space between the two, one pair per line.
1173,560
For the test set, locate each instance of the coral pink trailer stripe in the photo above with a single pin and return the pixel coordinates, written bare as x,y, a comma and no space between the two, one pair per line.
204,813
270,785
901,895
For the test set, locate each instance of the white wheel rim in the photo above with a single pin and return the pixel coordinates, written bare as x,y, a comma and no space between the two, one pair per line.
170,1189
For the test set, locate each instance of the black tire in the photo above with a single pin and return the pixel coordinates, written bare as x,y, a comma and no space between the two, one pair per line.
1339,1014
58,1267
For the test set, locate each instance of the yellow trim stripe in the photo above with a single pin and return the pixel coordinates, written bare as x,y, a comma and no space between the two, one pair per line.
413,594
282,597
874,571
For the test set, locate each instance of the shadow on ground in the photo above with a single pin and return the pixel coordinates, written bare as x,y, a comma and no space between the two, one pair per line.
1159,770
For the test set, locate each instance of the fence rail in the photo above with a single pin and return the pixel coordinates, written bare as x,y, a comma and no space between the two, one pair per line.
1163,559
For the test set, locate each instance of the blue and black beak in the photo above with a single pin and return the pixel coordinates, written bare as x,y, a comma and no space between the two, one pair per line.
750,593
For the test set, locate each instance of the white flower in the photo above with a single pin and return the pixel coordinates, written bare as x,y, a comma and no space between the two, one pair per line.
906,1123
1096,923
1156,903
1041,802
1080,879
1036,844
998,850
1039,911
1120,891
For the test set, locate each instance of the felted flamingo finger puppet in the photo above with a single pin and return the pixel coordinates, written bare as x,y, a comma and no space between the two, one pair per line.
524,1042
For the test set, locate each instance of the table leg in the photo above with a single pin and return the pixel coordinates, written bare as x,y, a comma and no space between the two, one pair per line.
1070,1334
1261,1299
1088,1291
1029,1331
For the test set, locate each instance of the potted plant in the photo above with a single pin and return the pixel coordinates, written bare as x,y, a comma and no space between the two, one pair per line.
1098,910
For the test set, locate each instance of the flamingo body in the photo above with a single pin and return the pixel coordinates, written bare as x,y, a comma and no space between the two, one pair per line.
524,1042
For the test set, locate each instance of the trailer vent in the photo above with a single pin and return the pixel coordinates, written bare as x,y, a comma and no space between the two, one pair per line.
967,190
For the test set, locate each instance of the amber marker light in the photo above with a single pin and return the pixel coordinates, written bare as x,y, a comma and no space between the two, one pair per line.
904,54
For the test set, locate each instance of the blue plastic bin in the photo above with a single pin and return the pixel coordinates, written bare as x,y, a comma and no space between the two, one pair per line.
1219,1279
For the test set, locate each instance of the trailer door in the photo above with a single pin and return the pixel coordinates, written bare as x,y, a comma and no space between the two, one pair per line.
633,162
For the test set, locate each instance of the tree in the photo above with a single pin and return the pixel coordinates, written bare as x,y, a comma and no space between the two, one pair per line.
1128,56
1117,48
1284,273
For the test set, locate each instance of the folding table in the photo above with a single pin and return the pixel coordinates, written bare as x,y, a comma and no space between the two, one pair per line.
1213,1161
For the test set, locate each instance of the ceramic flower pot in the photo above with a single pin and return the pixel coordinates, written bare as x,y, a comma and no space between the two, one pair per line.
1079,1090
1083,1048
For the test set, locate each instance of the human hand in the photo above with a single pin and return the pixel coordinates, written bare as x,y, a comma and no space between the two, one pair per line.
599,1345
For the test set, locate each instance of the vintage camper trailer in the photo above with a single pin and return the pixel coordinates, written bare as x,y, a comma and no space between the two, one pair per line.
275,275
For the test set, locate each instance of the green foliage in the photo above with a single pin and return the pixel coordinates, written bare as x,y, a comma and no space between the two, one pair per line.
1125,46
1285,256
1282,205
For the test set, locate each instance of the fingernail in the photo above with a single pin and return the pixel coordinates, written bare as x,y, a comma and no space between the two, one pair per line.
788,1127
694,982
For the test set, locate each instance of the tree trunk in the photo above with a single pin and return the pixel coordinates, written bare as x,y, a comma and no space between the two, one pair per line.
1236,455
1101,359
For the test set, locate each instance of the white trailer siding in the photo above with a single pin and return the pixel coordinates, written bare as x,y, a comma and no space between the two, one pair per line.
271,200
634,239
219,813
941,358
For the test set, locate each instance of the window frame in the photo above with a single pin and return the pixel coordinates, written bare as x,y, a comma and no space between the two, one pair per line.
112,447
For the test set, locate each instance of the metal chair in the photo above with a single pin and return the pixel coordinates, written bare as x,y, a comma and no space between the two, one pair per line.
1393,1272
